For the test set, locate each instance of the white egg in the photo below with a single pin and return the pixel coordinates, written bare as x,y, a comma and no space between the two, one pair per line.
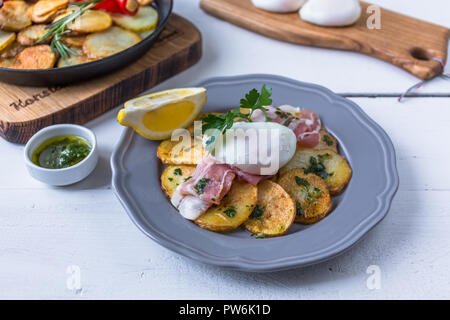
279,5
260,148
331,13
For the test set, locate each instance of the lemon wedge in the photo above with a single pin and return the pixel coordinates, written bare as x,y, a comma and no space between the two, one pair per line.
156,115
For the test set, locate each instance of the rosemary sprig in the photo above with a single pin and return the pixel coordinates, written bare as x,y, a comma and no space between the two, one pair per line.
59,28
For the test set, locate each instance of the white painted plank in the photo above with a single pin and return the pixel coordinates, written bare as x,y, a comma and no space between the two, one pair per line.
44,230
230,50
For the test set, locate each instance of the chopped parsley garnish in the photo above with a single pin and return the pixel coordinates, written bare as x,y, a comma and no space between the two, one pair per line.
253,101
201,184
317,167
259,235
188,178
230,212
327,140
257,213
170,179
299,209
177,172
301,182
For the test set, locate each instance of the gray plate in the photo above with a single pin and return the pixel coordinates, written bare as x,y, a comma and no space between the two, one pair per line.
366,200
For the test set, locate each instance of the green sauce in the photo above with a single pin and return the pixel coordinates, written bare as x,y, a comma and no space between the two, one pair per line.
61,152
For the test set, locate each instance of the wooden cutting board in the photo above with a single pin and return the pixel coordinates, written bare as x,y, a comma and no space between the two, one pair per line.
25,110
403,41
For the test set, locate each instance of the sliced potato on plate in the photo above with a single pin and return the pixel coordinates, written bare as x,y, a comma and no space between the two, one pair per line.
310,194
274,212
233,210
327,141
30,35
36,57
146,19
13,16
173,176
174,152
327,164
6,39
109,42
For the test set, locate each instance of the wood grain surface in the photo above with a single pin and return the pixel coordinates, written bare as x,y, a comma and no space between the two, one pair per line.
406,42
25,110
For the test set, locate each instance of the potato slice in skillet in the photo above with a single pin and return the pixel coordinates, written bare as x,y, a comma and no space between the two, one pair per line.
327,141
36,57
173,176
6,63
73,60
109,42
6,39
310,194
233,210
327,164
274,212
30,35
44,10
74,41
145,2
12,50
89,22
13,16
145,19
145,34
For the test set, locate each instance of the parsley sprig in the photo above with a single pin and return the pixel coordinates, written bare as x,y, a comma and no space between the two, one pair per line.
59,28
253,101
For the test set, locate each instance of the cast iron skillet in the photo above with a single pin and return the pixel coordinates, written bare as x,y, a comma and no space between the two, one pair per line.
66,75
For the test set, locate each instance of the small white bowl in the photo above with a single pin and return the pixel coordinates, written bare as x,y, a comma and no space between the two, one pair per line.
64,176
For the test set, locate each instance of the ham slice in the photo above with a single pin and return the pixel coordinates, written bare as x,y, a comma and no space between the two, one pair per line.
210,182
305,123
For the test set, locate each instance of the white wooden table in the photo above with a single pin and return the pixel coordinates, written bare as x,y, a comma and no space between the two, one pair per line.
46,233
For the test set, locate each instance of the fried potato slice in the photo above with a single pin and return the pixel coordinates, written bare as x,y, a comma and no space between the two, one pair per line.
327,164
89,22
74,41
73,60
173,176
6,63
310,194
13,16
109,42
174,152
327,141
44,10
145,19
11,51
233,210
6,39
274,212
144,2
37,57
146,34
30,35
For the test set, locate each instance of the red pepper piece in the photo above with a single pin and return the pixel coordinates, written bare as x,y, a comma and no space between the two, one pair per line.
128,7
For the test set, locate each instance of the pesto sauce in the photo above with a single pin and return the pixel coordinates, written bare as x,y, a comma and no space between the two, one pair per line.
61,152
